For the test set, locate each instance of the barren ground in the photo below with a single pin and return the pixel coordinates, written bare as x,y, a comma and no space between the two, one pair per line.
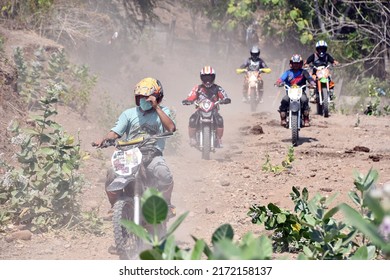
220,190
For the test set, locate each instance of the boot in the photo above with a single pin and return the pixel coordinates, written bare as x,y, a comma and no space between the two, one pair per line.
192,136
167,193
306,121
219,137
283,121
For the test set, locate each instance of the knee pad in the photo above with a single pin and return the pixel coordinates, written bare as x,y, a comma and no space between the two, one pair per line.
160,171
219,121
193,121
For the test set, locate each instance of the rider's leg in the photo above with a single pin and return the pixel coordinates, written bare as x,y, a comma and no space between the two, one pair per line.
305,109
219,130
159,169
283,110
245,92
261,91
112,196
192,129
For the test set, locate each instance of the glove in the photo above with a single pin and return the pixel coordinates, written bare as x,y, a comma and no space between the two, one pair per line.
186,102
226,101
278,84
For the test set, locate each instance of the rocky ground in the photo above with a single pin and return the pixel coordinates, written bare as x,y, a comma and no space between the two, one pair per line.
222,189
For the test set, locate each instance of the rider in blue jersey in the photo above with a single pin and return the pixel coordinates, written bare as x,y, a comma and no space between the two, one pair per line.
295,76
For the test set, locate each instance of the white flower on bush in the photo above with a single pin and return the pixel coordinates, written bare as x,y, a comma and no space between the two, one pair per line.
18,139
384,228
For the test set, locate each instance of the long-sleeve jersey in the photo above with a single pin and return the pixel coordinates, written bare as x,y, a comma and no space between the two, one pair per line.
320,61
254,65
200,92
295,77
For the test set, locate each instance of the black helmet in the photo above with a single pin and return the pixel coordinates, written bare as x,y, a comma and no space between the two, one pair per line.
255,52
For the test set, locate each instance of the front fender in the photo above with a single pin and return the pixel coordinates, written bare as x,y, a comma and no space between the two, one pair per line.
120,183
295,106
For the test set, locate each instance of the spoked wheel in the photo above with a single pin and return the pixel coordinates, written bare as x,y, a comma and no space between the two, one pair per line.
127,244
325,103
294,129
252,100
206,142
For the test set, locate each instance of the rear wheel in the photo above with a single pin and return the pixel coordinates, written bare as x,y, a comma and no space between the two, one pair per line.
206,142
294,129
127,244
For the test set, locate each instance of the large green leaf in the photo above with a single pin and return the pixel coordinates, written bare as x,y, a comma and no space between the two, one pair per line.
360,254
368,229
176,223
150,255
169,248
155,210
265,248
225,231
197,251
137,230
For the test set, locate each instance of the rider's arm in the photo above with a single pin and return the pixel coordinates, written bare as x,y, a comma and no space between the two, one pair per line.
332,60
282,79
309,60
245,64
193,95
308,77
222,93
166,121
110,135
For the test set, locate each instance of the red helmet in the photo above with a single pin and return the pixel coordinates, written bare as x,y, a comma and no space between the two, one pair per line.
207,75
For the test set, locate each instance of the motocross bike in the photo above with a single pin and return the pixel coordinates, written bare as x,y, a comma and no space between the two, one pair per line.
129,181
295,118
253,79
324,90
206,136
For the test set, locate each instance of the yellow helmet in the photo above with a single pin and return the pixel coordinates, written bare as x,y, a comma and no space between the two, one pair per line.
148,87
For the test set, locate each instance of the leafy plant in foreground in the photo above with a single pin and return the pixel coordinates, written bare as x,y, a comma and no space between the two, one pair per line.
154,210
312,228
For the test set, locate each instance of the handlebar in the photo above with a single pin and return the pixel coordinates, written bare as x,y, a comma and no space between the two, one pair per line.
261,70
140,141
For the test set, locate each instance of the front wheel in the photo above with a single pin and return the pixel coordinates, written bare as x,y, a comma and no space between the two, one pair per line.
294,129
253,100
325,103
206,142
127,244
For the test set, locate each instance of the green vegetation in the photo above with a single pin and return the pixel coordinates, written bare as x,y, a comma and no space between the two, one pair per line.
34,77
41,189
310,230
285,165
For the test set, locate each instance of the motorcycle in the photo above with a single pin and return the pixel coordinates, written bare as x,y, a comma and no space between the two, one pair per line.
253,78
206,136
129,161
324,90
295,118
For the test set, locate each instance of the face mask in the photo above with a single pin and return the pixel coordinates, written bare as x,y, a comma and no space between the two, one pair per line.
145,105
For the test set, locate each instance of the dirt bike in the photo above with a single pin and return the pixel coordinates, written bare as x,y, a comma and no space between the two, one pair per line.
295,118
253,78
129,161
206,136
324,90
